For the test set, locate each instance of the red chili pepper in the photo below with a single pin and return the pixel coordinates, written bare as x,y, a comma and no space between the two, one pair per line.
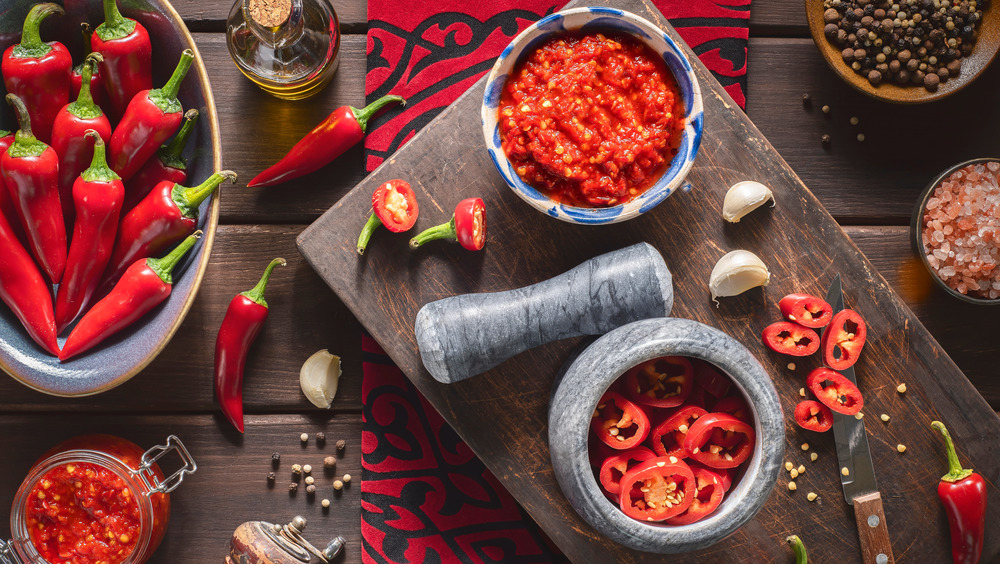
467,226
340,131
24,290
735,406
661,382
7,207
835,391
806,310
790,338
703,443
30,168
244,319
150,119
98,194
615,467
168,214
844,339
813,416
128,58
668,436
709,379
69,139
168,165
619,423
708,492
657,489
394,205
38,72
96,82
963,493
145,285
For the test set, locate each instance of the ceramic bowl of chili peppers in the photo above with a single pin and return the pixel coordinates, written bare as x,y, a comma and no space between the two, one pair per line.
723,376
189,118
597,186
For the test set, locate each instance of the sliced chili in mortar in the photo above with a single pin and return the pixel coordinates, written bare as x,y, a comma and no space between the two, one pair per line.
711,380
706,499
618,422
813,416
790,338
615,467
735,406
806,310
844,339
668,436
657,489
737,440
835,391
661,382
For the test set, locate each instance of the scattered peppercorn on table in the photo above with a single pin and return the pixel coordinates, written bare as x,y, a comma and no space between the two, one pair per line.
869,186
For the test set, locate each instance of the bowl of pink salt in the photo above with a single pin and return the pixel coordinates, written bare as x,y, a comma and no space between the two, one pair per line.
956,230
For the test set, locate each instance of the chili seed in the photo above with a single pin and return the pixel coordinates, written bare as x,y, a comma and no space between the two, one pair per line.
346,478
791,366
854,120
901,448
794,473
813,456
304,437
802,469
789,465
811,496
901,388
673,460
845,471
861,136
859,416
325,503
802,392
884,417
338,485
791,486
826,109
341,444
805,446
330,462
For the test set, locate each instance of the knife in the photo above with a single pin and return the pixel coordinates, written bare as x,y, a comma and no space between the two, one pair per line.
857,474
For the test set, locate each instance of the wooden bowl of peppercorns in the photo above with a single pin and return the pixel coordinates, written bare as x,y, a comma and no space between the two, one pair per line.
905,51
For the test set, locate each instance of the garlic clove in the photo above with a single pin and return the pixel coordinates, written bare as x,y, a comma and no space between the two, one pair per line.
319,377
737,272
744,197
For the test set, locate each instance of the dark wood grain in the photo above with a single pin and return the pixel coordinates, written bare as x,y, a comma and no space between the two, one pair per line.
873,530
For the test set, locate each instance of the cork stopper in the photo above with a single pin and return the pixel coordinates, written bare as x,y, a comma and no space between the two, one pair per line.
270,13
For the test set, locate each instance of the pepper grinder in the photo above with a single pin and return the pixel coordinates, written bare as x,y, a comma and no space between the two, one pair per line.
259,542
290,48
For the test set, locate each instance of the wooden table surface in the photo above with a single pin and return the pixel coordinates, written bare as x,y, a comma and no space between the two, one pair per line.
869,188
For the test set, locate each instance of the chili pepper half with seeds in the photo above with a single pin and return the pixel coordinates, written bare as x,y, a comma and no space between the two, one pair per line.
128,57
963,493
394,205
467,226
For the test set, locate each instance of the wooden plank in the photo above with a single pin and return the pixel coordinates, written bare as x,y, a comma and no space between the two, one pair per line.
212,16
231,474
785,18
804,248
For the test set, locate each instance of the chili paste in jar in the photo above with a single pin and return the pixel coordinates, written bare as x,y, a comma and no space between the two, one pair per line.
591,120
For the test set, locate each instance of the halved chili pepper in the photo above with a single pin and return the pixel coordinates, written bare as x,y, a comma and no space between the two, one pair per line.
96,82
835,391
708,493
467,226
150,119
661,382
38,72
667,438
30,168
167,165
340,131
97,194
790,338
735,406
737,436
24,290
844,339
243,321
709,379
619,423
145,285
657,489
128,58
394,205
616,466
806,310
813,416
963,494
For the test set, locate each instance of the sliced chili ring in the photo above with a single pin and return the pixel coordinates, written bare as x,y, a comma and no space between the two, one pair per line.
737,442
790,338
725,474
706,499
615,467
813,416
835,391
668,436
395,204
806,310
661,382
657,489
844,339
735,406
711,380
618,422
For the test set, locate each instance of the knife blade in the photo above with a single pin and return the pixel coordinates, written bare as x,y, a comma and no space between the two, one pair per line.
857,472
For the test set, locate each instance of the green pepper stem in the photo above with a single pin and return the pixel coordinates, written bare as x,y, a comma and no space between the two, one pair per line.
25,143
364,114
31,38
23,119
87,33
372,224
164,266
256,295
173,86
113,17
799,548
84,106
99,169
189,199
170,154
955,470
443,231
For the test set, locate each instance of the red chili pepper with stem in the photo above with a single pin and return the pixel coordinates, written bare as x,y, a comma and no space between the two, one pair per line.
813,416
661,382
341,130
732,449
619,423
243,321
150,119
98,195
128,58
76,78
394,205
963,494
145,285
615,467
168,165
30,168
38,72
835,391
708,492
668,436
467,226
657,489
790,338
24,290
806,310
844,339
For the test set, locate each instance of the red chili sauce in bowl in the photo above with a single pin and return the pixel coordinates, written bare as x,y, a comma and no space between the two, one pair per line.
591,120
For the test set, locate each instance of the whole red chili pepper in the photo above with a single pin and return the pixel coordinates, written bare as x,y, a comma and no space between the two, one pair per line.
30,169
168,165
7,207
340,131
128,57
76,78
963,493
98,194
168,214
244,318
38,72
467,226
150,119
24,290
394,205
145,285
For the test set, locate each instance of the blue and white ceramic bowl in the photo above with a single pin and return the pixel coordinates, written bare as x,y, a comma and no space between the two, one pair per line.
596,19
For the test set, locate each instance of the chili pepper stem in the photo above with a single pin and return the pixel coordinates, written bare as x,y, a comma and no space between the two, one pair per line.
84,106
115,26
175,148
164,266
366,233
256,294
173,86
99,170
188,199
364,114
25,142
799,548
955,470
87,32
443,231
31,40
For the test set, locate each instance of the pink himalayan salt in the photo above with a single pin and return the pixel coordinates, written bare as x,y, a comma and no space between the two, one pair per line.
961,230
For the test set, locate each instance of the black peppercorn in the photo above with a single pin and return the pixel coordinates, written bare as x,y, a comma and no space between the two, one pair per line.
310,489
271,477
831,30
293,487
831,15
341,444
320,437
825,139
275,458
931,81
874,77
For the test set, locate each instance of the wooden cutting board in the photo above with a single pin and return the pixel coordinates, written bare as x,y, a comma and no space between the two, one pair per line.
503,414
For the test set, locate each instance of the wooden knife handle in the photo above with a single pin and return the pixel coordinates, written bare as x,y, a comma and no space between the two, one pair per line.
872,530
